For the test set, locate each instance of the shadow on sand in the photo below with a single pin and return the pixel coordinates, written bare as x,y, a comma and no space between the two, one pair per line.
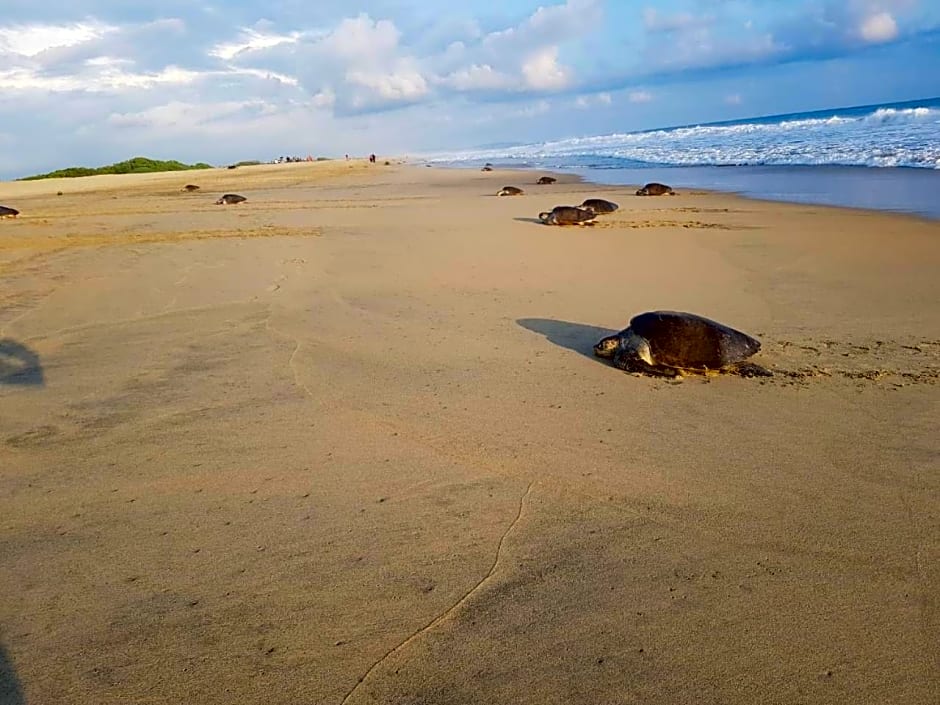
10,691
529,220
573,336
19,364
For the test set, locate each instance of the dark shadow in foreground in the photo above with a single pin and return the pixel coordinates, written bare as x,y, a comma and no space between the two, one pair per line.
19,364
10,691
573,336
529,220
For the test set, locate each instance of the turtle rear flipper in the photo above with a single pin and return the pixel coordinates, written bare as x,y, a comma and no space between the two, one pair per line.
750,369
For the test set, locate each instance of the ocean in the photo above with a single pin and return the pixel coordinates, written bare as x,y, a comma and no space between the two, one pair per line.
884,157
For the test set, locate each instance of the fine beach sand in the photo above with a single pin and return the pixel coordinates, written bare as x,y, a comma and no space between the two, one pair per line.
346,443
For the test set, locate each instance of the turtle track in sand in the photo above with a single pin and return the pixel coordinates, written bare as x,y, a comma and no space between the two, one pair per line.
887,364
639,224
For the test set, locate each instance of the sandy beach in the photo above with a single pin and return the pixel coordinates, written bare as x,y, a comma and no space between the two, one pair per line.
347,443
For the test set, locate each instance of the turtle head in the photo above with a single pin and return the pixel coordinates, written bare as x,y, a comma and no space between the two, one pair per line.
624,348
606,347
641,192
545,217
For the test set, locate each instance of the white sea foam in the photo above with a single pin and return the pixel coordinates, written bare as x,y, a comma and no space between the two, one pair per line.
886,137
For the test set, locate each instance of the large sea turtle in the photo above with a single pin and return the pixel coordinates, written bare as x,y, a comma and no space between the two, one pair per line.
599,205
568,215
7,211
190,187
655,189
230,198
670,342
510,191
545,180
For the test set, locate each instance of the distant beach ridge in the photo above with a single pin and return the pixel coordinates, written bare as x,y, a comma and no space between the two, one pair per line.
859,157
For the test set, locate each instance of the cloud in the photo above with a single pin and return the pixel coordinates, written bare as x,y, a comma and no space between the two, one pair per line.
583,102
879,27
250,40
543,72
27,40
478,77
640,97
733,99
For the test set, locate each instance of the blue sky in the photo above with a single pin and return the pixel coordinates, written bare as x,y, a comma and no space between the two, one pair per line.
94,81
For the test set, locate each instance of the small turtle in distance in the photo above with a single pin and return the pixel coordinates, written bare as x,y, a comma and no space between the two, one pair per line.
7,211
190,187
544,180
510,191
230,199
655,189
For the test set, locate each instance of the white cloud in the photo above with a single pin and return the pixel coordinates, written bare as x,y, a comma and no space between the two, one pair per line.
250,40
879,27
733,99
404,84
179,114
32,40
362,39
105,74
583,102
543,72
478,77
640,97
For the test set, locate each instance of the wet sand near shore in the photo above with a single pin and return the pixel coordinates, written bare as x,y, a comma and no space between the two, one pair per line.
347,443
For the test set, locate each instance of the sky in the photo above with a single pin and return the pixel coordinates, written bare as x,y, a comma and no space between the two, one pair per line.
90,82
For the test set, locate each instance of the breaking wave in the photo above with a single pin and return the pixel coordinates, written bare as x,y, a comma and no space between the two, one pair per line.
889,136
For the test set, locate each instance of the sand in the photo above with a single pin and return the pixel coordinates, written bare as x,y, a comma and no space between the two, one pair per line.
346,443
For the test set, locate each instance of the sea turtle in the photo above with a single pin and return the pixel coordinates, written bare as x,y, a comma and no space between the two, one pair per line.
230,198
487,168
7,211
568,215
670,342
599,205
543,180
190,187
510,191
655,189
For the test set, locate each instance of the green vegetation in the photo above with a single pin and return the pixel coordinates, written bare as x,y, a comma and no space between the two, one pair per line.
137,165
249,162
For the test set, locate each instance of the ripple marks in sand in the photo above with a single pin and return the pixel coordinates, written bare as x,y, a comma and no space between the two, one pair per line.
441,618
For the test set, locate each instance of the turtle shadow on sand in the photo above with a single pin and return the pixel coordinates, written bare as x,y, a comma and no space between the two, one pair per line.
573,336
529,220
10,691
19,365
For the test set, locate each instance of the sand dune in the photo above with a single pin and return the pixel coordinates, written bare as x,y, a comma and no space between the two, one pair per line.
381,465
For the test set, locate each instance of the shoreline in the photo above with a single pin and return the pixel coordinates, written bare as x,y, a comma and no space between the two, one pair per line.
924,205
348,442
